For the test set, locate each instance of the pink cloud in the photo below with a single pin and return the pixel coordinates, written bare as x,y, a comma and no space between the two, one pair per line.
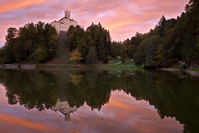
6,6
21,123
123,17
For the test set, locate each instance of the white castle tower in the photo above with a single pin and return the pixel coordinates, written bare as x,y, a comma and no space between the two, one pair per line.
67,14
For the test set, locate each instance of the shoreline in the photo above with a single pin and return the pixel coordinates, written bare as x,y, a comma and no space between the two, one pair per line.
191,72
102,67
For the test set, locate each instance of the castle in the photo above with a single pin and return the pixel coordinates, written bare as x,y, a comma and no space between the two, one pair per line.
64,23
64,108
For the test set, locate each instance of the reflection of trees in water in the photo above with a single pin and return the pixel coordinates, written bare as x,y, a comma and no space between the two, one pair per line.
170,95
75,78
93,89
34,89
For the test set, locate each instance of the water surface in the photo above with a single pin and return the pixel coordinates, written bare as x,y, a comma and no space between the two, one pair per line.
98,101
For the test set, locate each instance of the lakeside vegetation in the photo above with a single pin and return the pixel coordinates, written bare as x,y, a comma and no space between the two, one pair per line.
168,43
171,41
32,42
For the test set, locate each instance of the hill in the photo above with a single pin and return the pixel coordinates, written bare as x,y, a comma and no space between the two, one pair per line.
62,54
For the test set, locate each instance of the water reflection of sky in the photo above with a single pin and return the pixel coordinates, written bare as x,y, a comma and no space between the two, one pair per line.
121,114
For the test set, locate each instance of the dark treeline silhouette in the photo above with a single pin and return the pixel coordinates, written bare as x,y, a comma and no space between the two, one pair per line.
171,41
32,42
172,95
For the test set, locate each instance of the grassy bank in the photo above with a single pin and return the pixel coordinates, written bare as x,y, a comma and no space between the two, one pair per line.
114,64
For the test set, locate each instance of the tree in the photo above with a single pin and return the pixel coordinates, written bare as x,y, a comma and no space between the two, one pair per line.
92,55
76,56
35,42
151,48
102,41
131,50
123,53
41,54
10,42
140,54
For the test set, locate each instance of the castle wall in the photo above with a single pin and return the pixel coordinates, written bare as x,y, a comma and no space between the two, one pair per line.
64,23
57,26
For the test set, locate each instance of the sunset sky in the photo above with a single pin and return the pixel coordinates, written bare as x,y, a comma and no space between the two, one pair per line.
122,17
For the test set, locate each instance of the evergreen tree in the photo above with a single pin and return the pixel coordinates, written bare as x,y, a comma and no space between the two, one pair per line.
92,55
26,43
123,53
151,48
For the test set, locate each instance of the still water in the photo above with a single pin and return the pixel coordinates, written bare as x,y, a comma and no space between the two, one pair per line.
98,101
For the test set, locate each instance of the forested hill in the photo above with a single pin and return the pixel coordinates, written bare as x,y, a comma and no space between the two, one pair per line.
171,41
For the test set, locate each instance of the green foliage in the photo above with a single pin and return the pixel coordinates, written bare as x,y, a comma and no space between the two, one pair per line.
92,56
140,53
131,50
151,48
96,36
27,42
102,41
115,49
123,53
176,40
41,54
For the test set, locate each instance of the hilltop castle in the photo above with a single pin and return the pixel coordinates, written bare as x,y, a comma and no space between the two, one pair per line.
64,23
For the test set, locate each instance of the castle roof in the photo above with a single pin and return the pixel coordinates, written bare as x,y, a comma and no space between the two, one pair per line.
67,18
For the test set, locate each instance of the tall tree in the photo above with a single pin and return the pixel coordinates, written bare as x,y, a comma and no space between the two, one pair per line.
123,53
92,55
26,43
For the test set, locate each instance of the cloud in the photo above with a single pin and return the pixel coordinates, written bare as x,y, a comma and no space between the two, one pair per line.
6,6
19,123
123,17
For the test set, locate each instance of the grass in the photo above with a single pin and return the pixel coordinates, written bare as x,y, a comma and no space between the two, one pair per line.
112,65
116,60
181,68
195,70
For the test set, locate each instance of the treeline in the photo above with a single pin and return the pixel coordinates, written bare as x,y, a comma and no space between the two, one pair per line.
171,41
33,42
93,44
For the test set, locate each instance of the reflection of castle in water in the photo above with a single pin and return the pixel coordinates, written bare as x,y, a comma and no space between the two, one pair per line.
64,108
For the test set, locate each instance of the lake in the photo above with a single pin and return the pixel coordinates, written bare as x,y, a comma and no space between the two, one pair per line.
98,101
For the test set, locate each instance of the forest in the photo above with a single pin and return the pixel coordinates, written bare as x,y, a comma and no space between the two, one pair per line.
32,42
93,44
171,41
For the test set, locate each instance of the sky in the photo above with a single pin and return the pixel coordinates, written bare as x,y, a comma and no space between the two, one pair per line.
123,18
